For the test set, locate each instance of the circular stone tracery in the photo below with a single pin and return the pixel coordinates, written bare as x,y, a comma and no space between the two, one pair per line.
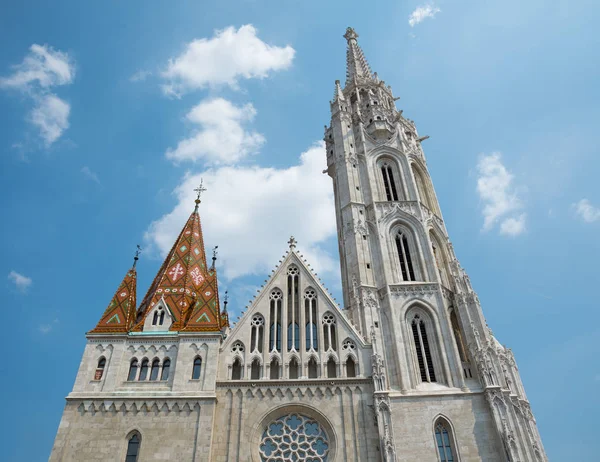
296,438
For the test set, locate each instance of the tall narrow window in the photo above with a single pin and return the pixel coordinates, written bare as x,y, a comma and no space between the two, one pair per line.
256,336
293,369
293,309
424,358
350,368
406,266
331,369
444,441
100,369
329,337
389,184
133,368
312,369
310,316
236,370
155,318
133,448
197,369
274,369
144,370
458,337
275,321
161,316
165,369
155,370
255,370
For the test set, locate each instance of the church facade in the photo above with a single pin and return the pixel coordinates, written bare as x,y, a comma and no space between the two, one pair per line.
408,370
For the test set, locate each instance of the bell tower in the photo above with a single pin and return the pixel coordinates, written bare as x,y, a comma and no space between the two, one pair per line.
403,286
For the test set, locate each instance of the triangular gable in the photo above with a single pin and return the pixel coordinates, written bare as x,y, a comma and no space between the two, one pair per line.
277,280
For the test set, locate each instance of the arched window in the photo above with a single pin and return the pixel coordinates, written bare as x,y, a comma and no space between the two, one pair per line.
155,318
443,440
133,448
257,335
422,349
293,309
350,368
197,369
406,265
329,337
274,369
161,316
155,370
389,183
144,370
310,316
236,370
331,368
275,321
293,369
165,369
440,260
100,369
133,368
312,369
255,370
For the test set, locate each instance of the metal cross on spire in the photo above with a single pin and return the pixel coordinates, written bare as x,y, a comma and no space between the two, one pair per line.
137,255
199,190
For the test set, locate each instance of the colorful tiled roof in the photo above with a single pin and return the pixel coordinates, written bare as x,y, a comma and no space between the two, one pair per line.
186,283
120,314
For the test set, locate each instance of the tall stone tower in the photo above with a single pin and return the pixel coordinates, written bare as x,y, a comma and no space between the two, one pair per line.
404,288
408,370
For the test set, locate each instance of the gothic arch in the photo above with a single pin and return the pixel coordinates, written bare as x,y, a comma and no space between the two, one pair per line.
442,419
411,258
424,187
441,258
397,178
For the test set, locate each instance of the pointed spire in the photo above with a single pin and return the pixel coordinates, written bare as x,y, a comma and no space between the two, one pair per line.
187,284
356,63
119,316
338,95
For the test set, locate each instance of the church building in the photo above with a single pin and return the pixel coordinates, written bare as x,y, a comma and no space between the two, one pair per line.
407,370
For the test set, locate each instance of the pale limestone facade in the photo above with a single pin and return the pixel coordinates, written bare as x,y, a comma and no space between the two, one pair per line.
409,357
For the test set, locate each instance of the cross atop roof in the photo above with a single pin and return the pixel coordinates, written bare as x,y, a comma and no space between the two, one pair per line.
292,242
199,190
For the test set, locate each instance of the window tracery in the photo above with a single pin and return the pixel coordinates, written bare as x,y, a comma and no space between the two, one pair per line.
389,182
310,316
293,309
443,439
329,334
294,437
422,350
276,299
404,257
257,333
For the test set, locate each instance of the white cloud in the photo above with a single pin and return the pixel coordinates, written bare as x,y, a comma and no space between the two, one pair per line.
21,282
587,211
41,69
421,13
88,173
140,76
47,328
220,137
513,226
51,116
223,59
496,190
43,66
250,212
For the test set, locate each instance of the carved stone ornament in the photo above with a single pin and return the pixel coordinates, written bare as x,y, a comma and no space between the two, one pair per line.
419,290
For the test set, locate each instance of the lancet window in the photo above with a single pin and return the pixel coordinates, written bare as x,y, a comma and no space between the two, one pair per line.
422,350
255,368
460,344
350,368
293,309
312,369
100,368
389,182
274,369
144,370
133,369
165,369
275,321
443,440
331,368
133,448
236,370
425,194
404,257
257,333
293,369
197,368
329,334
155,369
159,317
440,260
310,316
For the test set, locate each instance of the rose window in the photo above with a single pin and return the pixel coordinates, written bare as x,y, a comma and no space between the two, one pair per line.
294,438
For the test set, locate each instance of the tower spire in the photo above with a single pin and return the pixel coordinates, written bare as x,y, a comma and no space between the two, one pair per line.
357,66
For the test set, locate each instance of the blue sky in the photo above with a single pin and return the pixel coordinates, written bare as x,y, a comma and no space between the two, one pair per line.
111,111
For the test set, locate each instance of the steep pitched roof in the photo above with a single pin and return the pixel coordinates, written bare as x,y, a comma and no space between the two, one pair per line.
186,283
119,316
356,63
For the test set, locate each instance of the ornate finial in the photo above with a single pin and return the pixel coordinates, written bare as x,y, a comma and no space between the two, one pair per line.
137,255
214,257
350,34
225,301
199,190
292,242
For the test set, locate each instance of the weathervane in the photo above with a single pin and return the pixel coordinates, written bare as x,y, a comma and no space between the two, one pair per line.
137,255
